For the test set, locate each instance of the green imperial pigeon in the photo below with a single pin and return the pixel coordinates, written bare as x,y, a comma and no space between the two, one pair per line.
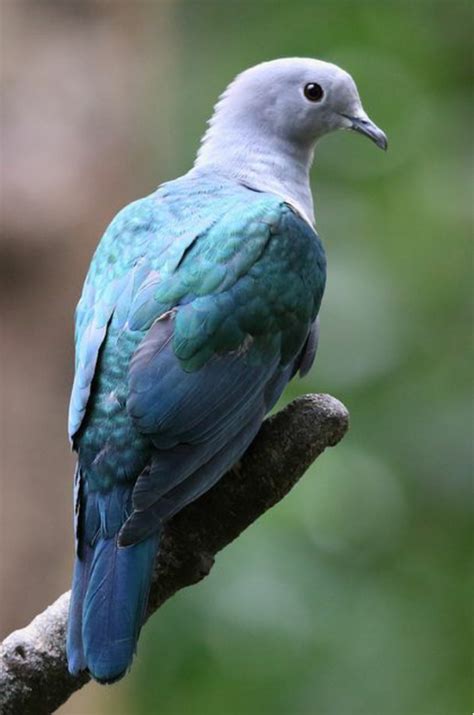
200,304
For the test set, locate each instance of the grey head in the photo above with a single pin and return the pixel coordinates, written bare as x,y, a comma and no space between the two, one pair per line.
267,122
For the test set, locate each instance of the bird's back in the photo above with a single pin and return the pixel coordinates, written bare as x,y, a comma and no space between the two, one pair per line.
158,254
195,313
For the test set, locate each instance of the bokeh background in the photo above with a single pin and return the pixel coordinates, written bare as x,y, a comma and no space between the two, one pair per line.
353,595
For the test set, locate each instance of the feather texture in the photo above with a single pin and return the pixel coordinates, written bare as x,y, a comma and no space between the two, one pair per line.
198,308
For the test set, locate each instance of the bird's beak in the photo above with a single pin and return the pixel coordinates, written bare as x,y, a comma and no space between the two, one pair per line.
366,126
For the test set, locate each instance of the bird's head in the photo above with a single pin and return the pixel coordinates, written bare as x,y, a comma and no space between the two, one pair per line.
296,99
267,122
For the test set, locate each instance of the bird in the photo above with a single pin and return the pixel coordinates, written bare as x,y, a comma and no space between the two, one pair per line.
200,304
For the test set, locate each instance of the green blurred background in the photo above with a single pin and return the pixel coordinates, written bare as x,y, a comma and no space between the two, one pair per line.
353,595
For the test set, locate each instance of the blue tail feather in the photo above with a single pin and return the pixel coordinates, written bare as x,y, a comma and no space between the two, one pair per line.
75,651
109,597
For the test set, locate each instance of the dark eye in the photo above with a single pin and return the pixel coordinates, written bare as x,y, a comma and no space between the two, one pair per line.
314,92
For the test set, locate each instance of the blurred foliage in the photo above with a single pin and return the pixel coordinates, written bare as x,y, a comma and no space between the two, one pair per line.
352,596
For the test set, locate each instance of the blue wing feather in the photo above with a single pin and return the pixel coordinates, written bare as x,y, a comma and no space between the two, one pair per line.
142,523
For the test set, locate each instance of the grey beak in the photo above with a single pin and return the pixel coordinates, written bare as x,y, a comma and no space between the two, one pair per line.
365,126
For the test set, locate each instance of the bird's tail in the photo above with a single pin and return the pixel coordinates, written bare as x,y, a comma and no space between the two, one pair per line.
109,597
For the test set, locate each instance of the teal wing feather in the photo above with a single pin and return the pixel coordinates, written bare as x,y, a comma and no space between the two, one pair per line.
219,359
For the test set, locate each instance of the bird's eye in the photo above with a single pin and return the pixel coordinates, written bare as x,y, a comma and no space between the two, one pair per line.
314,92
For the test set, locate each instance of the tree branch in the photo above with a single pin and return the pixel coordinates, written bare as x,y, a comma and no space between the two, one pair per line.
33,671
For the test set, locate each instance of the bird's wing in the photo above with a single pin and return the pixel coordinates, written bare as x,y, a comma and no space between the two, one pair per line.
238,311
197,311
143,245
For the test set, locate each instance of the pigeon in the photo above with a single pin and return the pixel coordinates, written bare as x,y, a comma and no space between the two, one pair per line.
200,304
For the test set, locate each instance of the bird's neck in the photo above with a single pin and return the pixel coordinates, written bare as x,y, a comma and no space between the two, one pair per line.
274,165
